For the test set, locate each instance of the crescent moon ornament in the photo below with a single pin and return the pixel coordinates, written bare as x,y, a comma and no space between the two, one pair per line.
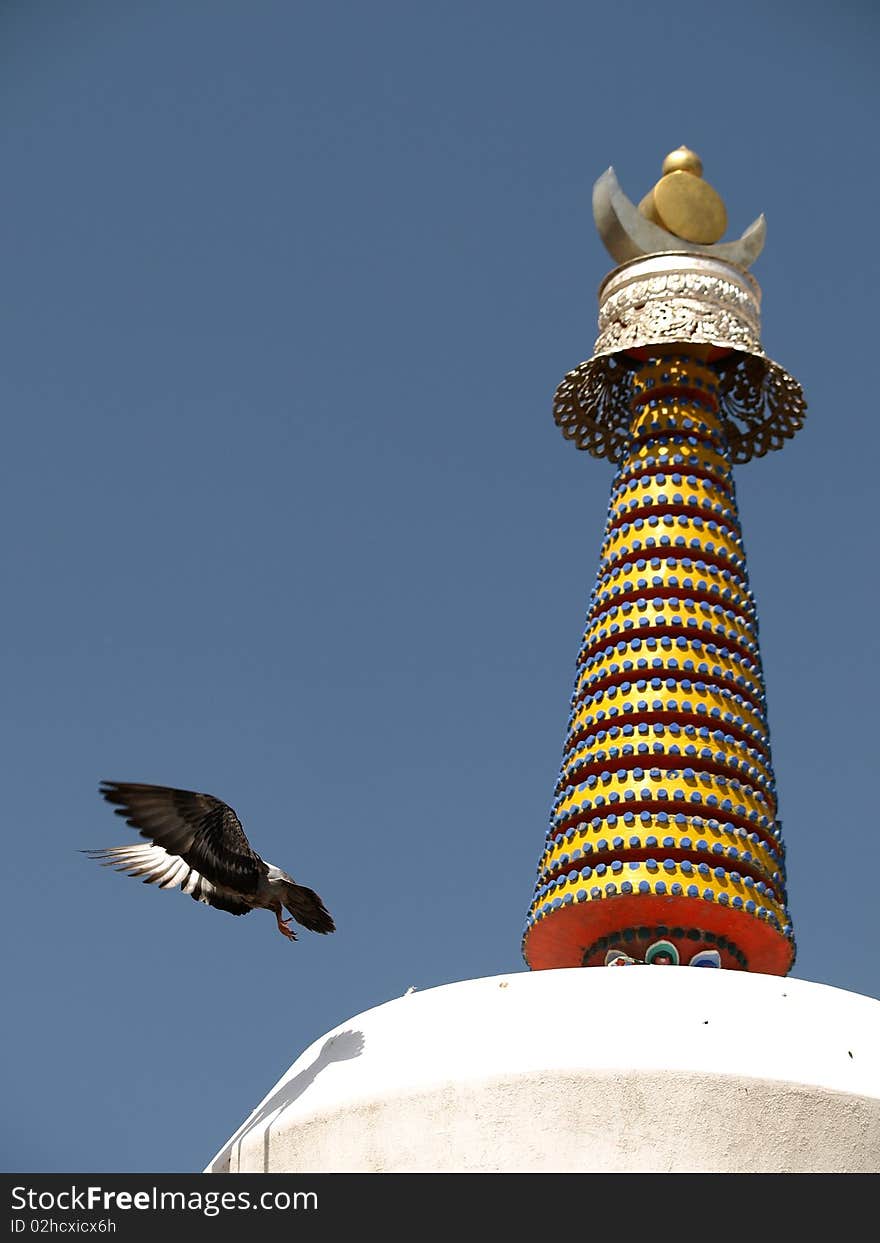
627,234
677,291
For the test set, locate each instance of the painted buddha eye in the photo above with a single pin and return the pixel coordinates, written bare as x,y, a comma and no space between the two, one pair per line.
662,954
706,958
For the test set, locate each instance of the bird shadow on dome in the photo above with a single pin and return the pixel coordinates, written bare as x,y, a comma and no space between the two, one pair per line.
342,1047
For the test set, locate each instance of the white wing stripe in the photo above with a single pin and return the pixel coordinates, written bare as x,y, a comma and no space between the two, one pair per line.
178,873
153,863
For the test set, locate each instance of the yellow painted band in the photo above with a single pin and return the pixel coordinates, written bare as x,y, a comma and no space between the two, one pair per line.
722,540
640,872
709,580
585,754
762,857
697,457
662,612
704,783
628,712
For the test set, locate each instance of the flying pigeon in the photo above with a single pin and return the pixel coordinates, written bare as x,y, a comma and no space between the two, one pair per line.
197,842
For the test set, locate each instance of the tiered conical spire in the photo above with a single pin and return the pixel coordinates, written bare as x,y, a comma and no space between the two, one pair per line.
664,843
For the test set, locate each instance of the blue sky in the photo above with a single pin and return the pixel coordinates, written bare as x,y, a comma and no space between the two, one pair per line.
286,292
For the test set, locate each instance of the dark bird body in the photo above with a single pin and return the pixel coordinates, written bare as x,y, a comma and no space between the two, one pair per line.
197,843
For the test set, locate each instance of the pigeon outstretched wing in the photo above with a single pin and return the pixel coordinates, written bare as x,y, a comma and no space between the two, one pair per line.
201,830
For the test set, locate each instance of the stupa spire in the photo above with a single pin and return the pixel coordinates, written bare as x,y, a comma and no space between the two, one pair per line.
664,842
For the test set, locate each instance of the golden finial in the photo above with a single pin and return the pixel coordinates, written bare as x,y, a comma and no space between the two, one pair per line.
683,203
684,160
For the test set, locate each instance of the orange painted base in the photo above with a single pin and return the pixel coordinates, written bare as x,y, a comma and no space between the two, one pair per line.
560,939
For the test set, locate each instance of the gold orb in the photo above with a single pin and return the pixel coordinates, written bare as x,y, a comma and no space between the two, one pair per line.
688,207
683,160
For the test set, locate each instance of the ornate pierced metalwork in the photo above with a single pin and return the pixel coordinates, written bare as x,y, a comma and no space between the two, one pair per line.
592,406
676,302
761,405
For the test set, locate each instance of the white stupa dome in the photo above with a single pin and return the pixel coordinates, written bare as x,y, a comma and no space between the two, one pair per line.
600,1070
